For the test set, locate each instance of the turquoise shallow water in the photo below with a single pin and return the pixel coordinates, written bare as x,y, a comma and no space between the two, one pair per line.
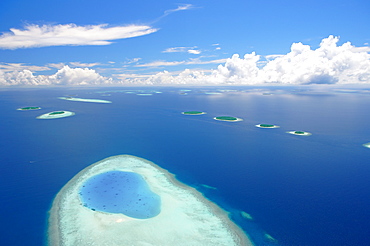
120,192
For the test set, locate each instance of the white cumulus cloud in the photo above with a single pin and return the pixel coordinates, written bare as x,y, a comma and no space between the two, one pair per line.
190,50
64,76
69,34
78,76
328,64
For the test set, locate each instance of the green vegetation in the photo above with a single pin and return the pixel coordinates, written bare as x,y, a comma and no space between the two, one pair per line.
266,125
193,112
29,108
227,118
300,133
57,112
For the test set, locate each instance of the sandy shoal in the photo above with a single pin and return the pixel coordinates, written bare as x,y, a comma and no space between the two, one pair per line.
76,99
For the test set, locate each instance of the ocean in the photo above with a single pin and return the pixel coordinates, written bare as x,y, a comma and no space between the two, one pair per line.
299,190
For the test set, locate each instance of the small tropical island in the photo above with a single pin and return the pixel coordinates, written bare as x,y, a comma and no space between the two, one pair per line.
193,112
267,126
28,108
55,115
76,99
299,133
227,118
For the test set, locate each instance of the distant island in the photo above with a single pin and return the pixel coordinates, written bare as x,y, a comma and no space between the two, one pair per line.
267,126
227,118
55,115
28,108
76,99
299,133
193,113
126,200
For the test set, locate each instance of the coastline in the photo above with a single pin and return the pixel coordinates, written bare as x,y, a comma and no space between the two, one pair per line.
163,183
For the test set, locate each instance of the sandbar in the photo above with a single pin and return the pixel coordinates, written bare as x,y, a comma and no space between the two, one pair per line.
28,108
299,133
193,113
186,216
267,126
227,118
367,145
76,99
56,115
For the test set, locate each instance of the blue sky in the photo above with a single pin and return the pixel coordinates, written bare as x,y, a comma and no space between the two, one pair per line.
90,37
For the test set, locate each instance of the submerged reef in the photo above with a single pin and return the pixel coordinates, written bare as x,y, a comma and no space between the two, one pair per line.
126,200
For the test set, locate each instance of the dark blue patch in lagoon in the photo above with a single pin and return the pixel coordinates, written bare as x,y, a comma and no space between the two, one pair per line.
120,192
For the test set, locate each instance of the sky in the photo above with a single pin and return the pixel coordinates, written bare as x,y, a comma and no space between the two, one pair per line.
198,42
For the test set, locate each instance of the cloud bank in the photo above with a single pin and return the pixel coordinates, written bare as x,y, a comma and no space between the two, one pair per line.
66,76
70,34
328,64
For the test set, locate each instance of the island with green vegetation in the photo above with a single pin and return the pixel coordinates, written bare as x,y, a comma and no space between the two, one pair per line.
193,112
173,213
267,126
227,118
28,108
76,99
55,115
299,133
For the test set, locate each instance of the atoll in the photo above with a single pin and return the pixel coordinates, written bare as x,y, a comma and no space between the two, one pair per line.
185,217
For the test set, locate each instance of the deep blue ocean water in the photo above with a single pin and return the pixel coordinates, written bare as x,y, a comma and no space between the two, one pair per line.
301,190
